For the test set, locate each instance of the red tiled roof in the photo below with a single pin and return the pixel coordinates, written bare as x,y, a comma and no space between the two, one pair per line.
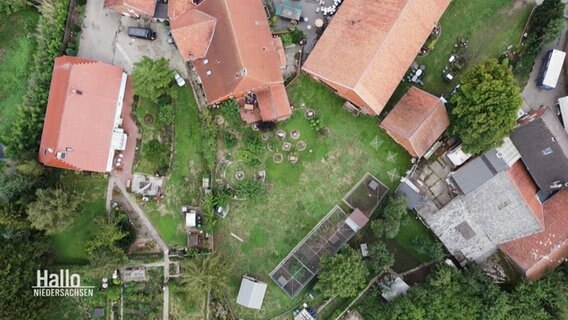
273,103
417,121
542,252
140,7
177,7
193,31
80,114
280,50
527,189
240,56
369,45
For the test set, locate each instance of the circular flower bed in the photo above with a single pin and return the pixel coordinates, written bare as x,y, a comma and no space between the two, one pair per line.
239,175
310,113
148,119
295,134
265,136
277,158
301,146
281,134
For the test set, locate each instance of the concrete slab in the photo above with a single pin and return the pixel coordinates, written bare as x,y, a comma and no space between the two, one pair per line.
439,188
104,38
439,170
432,180
444,198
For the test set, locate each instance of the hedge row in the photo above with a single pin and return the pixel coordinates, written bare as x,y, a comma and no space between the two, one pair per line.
24,133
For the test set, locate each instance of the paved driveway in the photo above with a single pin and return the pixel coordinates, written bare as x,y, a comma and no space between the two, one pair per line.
104,38
534,97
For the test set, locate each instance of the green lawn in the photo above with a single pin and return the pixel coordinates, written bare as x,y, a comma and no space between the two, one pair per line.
17,44
70,244
182,184
299,195
150,131
490,25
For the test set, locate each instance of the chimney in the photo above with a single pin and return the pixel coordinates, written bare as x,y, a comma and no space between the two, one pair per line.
76,91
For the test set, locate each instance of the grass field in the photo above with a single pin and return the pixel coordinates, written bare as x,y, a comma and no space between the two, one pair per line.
489,25
17,44
149,131
299,195
70,244
182,184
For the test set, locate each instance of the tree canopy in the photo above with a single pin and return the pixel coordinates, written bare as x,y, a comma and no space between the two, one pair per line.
390,218
485,106
342,275
452,294
201,275
152,78
379,257
21,257
53,210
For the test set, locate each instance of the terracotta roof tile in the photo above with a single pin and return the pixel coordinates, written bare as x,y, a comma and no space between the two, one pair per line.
140,7
417,121
369,45
241,57
273,103
193,31
541,252
80,114
527,189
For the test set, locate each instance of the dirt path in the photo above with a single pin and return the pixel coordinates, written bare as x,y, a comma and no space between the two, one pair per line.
152,232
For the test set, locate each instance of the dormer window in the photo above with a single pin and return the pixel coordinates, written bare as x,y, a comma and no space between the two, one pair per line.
60,155
205,61
208,73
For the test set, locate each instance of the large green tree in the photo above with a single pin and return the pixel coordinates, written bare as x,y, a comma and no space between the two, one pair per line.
485,106
202,275
53,210
342,275
152,78
379,258
452,294
390,218
21,258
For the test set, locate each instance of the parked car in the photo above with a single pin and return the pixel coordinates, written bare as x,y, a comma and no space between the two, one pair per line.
179,80
142,33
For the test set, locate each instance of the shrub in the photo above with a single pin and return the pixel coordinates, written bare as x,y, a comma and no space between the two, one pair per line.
253,142
208,139
230,140
158,154
250,190
70,52
166,114
296,36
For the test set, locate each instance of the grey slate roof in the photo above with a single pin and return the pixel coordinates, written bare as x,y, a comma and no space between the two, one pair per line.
543,145
476,223
251,293
477,171
413,198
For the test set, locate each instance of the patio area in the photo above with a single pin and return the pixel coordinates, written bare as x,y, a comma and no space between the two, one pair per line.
123,168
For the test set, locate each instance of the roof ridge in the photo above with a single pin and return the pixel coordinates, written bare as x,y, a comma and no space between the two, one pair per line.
388,35
232,28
